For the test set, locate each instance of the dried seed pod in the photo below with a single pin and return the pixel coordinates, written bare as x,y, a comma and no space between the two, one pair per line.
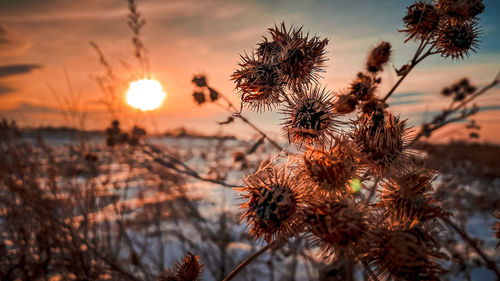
345,104
362,87
457,39
330,169
199,97
338,228
421,20
274,198
189,269
300,58
461,9
200,80
378,57
310,118
408,200
405,255
259,82
380,139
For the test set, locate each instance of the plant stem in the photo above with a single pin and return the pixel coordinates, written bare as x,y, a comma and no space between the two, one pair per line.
457,107
244,119
489,263
247,261
416,59
367,267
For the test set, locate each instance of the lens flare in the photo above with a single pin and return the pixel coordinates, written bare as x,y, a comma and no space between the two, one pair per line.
145,94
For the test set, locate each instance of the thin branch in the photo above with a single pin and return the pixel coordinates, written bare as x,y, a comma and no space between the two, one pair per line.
248,261
455,108
489,263
244,119
416,59
186,171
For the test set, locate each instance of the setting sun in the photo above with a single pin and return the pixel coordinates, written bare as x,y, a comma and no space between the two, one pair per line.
145,94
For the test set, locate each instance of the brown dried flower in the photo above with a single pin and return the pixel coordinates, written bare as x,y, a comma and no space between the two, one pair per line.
330,169
310,116
345,104
421,20
408,200
405,255
300,58
461,9
457,39
362,87
380,139
260,83
200,80
378,57
273,202
189,269
199,97
338,228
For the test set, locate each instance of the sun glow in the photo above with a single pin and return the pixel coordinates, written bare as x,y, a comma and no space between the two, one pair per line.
145,94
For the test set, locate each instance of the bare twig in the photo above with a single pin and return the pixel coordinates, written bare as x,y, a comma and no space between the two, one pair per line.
248,261
489,263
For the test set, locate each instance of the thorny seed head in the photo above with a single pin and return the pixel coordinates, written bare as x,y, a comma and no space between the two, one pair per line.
405,255
189,269
310,118
268,50
408,200
259,82
199,97
273,201
421,20
345,104
372,105
300,58
338,228
330,169
200,81
461,9
457,39
378,57
380,140
362,87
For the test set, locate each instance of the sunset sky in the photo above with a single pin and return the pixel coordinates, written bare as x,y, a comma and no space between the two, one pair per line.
41,41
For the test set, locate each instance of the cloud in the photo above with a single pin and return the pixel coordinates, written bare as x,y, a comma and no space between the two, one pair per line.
5,90
17,69
10,43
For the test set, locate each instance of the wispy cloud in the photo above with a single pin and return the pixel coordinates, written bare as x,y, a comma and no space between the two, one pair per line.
17,69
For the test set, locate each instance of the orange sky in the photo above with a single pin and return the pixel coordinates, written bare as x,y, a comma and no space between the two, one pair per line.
48,38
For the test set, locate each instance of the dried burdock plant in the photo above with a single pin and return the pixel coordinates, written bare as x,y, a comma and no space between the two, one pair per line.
378,57
299,57
408,200
405,255
421,20
362,87
458,39
310,118
381,140
274,198
189,269
340,228
319,195
329,169
260,83
461,9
